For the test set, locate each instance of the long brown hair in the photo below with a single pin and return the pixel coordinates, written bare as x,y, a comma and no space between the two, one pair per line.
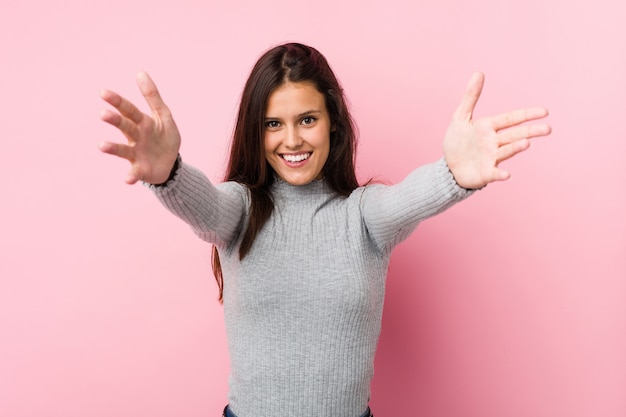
291,62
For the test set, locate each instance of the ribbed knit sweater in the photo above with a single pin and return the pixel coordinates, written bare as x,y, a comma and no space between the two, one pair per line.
303,309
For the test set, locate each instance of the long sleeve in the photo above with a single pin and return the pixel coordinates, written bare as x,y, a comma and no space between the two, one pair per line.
215,213
391,213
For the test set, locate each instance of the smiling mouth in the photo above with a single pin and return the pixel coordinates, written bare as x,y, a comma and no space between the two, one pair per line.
296,158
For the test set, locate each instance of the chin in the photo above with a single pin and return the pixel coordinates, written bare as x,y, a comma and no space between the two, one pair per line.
297,180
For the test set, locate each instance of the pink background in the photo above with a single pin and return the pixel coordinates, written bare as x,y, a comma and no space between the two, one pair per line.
510,304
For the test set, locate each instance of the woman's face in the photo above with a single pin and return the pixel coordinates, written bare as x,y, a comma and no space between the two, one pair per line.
297,132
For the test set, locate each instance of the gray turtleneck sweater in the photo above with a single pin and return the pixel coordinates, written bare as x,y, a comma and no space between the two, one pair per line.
303,309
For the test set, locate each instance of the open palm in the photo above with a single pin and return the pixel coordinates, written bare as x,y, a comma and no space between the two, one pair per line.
473,149
153,140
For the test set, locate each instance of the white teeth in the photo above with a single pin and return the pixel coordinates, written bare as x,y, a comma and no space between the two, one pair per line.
296,158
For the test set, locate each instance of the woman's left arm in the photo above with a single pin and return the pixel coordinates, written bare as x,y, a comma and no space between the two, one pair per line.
473,149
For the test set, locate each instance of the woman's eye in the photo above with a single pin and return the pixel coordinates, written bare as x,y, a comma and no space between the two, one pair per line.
308,120
272,124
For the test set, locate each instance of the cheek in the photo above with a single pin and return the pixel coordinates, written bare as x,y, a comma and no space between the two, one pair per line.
320,137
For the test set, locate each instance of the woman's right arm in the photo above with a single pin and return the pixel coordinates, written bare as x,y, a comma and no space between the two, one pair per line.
215,213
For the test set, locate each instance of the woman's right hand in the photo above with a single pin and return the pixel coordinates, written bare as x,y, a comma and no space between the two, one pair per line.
153,140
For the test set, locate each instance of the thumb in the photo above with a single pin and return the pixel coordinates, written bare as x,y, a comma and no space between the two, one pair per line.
470,98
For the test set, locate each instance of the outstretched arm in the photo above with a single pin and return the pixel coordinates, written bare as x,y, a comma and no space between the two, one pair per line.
153,140
473,149
215,213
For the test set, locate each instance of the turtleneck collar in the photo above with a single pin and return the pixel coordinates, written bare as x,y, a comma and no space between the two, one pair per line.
315,187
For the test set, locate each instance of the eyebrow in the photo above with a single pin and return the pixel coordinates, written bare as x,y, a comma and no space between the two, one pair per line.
306,113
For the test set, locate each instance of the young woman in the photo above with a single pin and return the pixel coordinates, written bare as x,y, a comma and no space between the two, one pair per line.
301,250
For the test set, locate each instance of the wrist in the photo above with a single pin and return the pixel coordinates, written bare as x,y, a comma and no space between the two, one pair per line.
173,172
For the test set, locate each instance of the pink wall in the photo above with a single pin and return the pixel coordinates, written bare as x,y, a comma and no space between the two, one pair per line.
511,304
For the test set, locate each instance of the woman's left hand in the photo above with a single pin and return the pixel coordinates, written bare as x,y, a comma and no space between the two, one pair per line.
473,149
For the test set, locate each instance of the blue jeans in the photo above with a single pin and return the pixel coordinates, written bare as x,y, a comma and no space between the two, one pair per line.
229,413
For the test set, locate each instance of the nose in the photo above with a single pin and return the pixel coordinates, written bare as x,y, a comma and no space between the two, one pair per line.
292,139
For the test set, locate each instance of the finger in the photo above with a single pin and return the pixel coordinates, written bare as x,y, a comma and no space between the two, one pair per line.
508,151
122,151
520,132
124,106
499,174
496,174
470,98
132,177
128,128
117,149
516,117
150,92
